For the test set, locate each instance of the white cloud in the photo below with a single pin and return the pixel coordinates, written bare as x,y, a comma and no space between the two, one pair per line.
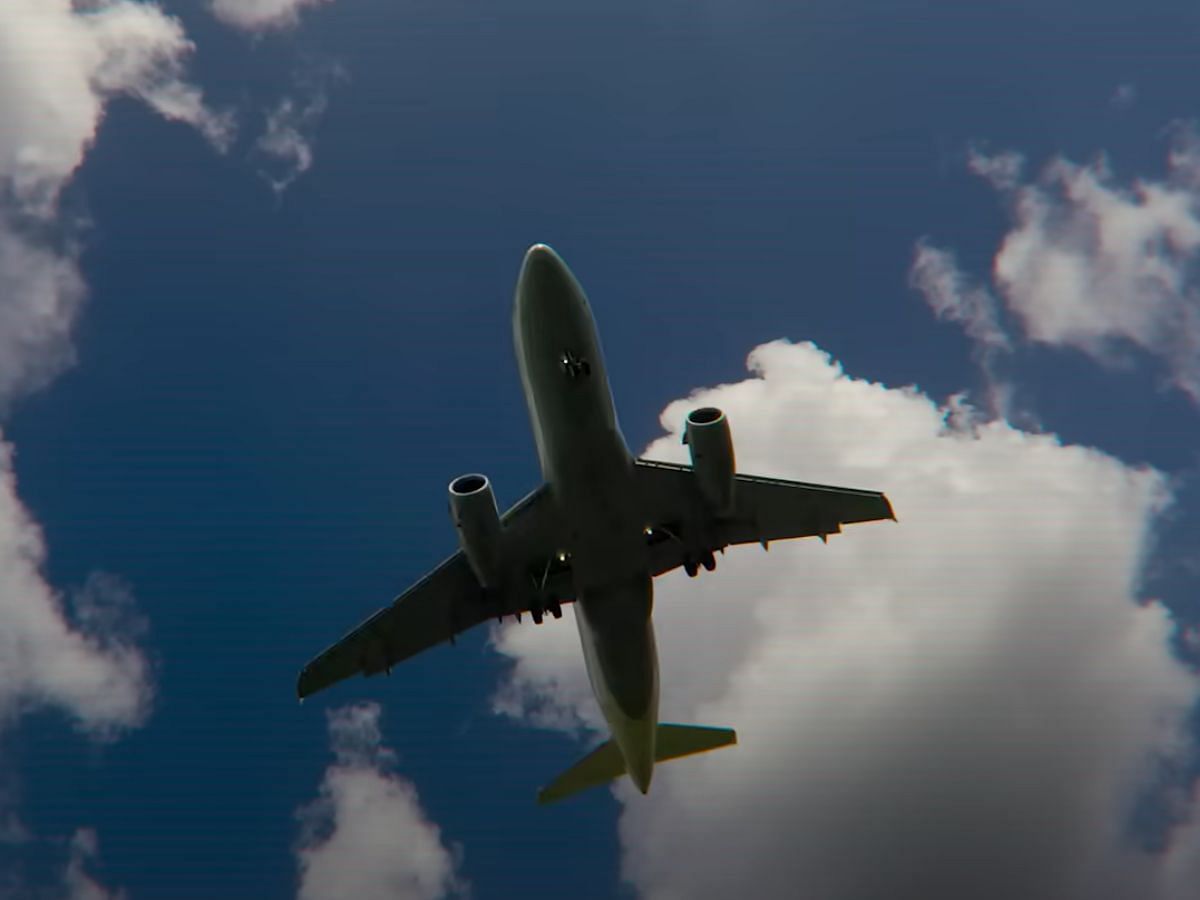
1100,266
366,836
61,63
968,703
1090,261
947,290
77,883
1001,170
88,666
41,291
261,15
286,145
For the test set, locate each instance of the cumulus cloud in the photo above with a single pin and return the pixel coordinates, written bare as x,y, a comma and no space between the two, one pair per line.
365,835
41,291
54,101
261,15
61,64
968,703
85,662
53,104
1089,262
88,665
1101,266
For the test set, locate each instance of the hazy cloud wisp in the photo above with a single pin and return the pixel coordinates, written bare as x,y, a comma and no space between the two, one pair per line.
285,147
936,275
78,883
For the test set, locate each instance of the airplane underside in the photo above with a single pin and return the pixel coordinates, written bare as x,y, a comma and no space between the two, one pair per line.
597,532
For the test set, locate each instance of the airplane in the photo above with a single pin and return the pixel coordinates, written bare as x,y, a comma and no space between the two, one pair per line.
596,533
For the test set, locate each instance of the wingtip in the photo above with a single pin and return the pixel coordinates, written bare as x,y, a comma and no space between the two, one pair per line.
301,692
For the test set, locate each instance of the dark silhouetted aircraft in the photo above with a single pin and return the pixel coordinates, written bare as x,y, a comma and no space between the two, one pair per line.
596,533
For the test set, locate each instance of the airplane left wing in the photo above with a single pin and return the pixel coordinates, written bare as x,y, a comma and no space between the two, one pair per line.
449,600
764,510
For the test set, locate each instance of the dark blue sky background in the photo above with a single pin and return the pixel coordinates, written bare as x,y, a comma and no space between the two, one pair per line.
272,395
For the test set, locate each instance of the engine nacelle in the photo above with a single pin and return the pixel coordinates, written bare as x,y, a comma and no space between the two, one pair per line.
477,521
707,436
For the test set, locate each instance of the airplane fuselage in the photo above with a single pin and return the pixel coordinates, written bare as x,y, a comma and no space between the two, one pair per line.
589,469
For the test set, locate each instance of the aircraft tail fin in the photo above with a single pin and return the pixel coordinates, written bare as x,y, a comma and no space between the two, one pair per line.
606,762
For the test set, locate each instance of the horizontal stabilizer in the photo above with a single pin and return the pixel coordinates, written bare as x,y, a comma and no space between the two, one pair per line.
601,765
606,762
674,741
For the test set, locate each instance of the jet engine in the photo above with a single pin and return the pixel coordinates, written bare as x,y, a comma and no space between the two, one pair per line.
707,436
473,509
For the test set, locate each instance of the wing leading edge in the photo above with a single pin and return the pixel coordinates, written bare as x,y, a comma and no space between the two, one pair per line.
449,600
765,509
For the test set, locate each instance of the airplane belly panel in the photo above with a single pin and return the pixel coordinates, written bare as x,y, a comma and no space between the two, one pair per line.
619,647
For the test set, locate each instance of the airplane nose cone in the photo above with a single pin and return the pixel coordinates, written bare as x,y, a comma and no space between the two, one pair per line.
542,271
545,287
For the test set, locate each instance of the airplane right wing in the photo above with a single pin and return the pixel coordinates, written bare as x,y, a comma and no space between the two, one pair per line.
449,600
764,510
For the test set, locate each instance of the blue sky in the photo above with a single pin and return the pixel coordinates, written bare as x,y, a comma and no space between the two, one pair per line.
249,417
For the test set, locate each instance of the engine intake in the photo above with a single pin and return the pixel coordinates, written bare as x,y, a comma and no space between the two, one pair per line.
477,521
707,435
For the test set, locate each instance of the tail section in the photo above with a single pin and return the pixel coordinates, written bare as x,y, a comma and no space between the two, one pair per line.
601,765
674,741
606,762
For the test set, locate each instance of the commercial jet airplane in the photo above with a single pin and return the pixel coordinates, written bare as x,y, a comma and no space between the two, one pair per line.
596,533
